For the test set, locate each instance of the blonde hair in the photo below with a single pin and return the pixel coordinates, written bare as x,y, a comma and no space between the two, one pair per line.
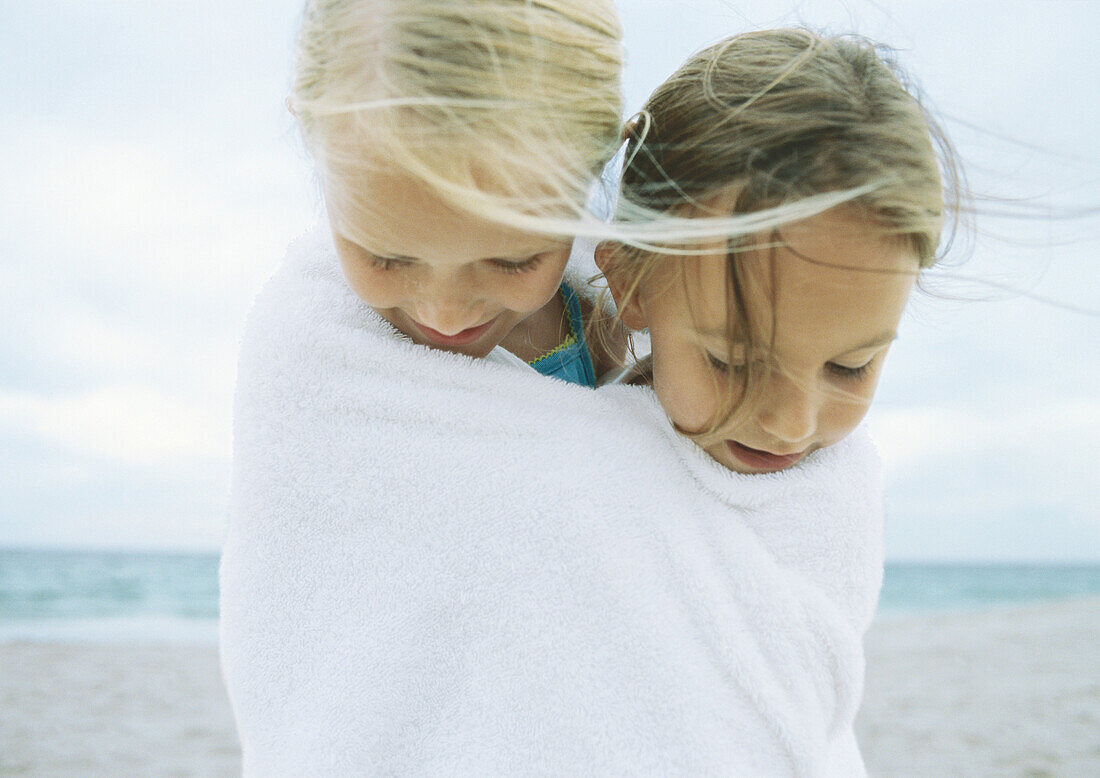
506,109
769,119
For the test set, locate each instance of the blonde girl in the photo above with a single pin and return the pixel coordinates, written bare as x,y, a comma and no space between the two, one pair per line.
768,346
449,138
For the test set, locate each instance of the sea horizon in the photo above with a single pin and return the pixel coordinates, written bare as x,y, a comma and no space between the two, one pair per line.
116,595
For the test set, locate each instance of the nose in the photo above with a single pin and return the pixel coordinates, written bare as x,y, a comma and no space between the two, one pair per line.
788,410
449,308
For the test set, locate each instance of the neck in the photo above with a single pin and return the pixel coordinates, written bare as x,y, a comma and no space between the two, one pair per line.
540,332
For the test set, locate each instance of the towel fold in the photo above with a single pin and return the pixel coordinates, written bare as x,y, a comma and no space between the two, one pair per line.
437,565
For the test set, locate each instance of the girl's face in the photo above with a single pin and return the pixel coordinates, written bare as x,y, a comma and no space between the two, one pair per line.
444,278
833,326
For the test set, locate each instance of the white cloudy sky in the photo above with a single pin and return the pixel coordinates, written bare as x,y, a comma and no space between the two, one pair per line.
151,179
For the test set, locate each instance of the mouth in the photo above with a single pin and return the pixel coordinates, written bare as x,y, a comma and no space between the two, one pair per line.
764,461
463,338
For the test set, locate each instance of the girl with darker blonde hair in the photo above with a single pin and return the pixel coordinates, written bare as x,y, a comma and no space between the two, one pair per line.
767,345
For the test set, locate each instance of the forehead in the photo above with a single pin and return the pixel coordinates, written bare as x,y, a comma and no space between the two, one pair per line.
833,282
392,214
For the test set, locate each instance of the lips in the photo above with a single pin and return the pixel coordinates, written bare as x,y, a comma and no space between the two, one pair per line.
762,460
464,338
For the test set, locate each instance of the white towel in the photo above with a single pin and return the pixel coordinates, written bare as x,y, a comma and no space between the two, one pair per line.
443,566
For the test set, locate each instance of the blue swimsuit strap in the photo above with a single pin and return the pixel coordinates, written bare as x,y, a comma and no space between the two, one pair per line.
576,324
572,348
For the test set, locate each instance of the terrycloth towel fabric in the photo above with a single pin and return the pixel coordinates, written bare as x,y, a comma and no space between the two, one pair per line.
444,566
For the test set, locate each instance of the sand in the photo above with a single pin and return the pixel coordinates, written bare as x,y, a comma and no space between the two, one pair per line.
140,710
1008,692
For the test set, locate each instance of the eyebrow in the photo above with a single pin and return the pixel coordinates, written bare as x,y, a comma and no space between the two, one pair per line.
718,334
887,337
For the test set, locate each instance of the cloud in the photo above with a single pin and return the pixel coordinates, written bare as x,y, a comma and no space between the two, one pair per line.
911,437
1007,483
128,424
128,215
130,263
152,182
50,495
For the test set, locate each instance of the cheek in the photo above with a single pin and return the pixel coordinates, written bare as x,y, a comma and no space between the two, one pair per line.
529,292
843,418
527,295
685,387
840,416
376,289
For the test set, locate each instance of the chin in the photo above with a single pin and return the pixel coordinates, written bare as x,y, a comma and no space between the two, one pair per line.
721,454
475,350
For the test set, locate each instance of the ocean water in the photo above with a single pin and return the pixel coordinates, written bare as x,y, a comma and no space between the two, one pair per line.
119,596
108,596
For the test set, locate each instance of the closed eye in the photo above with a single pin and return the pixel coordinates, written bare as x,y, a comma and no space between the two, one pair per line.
388,263
850,373
514,266
720,365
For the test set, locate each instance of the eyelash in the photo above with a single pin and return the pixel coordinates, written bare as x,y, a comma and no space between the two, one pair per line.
386,263
850,373
721,366
503,265
525,266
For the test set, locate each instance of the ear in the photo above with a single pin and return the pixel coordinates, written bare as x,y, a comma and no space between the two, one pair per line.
641,119
290,106
628,297
629,128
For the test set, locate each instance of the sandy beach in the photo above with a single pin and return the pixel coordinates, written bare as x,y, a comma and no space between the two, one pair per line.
1005,692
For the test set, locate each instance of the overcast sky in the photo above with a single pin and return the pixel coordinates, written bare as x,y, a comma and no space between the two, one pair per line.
152,178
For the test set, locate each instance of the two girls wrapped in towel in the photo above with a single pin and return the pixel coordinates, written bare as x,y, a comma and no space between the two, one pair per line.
439,560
